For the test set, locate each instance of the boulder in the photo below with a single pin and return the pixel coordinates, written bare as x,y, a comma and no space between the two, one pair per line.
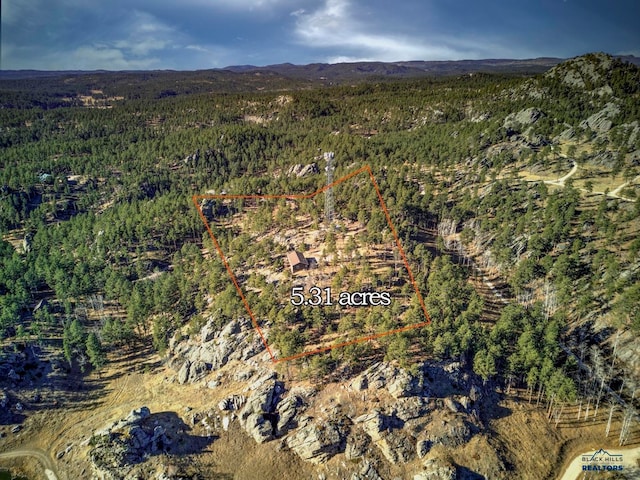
259,427
367,472
402,384
450,434
398,382
237,340
397,446
183,373
373,424
258,416
310,169
234,402
359,383
435,469
287,411
410,408
137,415
197,371
317,442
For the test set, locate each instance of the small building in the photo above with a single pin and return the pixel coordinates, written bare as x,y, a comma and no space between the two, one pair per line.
297,261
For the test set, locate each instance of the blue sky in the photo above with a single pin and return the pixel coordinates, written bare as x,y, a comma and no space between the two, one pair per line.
200,34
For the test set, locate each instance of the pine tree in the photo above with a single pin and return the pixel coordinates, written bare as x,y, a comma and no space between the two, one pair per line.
96,354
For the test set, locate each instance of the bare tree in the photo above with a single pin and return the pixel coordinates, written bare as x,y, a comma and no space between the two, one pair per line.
612,405
550,300
626,425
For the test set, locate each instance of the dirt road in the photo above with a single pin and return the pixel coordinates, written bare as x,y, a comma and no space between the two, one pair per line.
561,181
40,455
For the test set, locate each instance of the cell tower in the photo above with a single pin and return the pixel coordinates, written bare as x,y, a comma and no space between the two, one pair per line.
328,193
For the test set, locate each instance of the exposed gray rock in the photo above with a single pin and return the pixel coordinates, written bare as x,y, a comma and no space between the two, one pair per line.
208,332
566,135
367,472
119,448
359,383
237,340
435,469
183,373
453,433
303,170
402,384
600,122
482,117
373,424
398,382
410,408
258,416
356,445
259,427
288,410
474,393
234,402
4,399
528,116
137,415
397,446
317,442
197,371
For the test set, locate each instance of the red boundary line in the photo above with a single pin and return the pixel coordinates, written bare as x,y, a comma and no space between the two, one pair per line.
367,169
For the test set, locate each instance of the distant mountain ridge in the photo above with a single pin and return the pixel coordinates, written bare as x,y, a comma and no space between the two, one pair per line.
407,69
335,72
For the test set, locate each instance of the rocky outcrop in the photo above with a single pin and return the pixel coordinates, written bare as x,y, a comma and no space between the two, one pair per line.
356,446
367,472
258,417
410,408
303,170
435,469
452,433
528,116
126,443
318,441
235,341
601,122
398,382
234,402
396,445
288,412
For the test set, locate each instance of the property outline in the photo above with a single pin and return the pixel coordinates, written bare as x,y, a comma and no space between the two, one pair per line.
366,168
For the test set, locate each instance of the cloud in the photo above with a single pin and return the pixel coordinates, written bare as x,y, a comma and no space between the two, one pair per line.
338,26
133,41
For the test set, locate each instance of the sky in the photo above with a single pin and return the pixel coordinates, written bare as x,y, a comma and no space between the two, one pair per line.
202,34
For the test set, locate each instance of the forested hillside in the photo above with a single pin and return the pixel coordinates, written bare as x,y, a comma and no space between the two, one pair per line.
515,198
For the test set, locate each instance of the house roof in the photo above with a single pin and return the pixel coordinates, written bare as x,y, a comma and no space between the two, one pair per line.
296,258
